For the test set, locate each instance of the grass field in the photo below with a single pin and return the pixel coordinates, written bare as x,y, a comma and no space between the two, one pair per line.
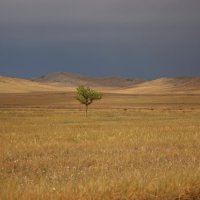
129,148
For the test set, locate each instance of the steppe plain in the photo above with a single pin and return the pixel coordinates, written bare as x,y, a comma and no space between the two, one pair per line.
131,146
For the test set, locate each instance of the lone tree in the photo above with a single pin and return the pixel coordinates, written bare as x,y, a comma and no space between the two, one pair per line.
86,96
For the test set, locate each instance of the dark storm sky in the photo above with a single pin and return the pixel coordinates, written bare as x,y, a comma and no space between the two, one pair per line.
135,38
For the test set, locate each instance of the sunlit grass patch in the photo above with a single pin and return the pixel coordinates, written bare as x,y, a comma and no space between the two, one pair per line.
113,154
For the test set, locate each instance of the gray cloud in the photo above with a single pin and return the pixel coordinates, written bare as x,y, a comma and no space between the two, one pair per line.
172,11
123,37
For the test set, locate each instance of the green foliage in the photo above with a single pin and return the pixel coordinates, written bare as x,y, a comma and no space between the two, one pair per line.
86,96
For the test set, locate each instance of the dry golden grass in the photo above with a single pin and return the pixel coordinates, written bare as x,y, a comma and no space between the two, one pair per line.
181,85
187,85
130,147
17,85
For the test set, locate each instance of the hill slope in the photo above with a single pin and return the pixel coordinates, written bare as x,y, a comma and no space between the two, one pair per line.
179,85
73,80
63,82
17,85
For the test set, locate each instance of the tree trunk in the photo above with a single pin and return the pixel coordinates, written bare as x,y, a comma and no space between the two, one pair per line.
86,110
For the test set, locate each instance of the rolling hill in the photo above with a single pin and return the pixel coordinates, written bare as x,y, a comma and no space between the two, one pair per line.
17,85
73,80
178,85
63,82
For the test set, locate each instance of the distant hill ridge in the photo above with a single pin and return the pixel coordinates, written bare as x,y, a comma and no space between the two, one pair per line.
63,82
178,85
18,85
73,80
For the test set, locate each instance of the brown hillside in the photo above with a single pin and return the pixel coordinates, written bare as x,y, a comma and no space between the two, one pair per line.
179,85
73,80
62,82
17,85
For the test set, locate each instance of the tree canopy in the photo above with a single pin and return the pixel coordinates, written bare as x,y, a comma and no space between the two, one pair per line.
86,96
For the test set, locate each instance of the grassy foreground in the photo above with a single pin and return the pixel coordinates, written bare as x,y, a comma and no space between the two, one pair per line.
130,147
